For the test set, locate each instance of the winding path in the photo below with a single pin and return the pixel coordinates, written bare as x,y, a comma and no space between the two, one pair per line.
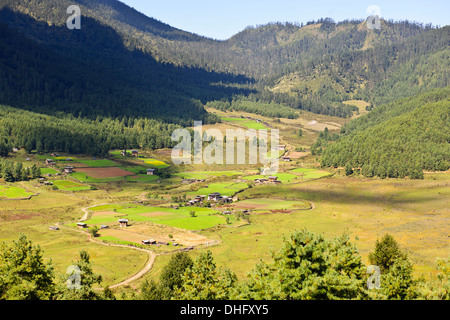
151,255
148,266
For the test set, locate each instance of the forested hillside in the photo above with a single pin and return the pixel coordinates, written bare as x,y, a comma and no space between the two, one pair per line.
125,65
312,67
397,139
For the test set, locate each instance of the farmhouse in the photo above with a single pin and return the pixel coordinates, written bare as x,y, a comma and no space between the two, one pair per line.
282,147
200,198
287,159
123,222
123,153
68,169
50,162
227,199
227,212
147,242
53,228
82,225
134,153
214,196
274,179
151,172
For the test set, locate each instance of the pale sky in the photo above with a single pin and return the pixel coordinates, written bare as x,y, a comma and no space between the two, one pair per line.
223,19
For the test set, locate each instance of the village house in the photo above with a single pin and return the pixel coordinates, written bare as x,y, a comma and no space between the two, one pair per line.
287,159
151,172
134,153
214,196
68,169
81,225
50,162
281,147
123,222
148,242
123,153
227,199
274,179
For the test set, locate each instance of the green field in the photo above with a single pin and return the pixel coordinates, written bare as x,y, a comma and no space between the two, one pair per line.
83,177
179,218
70,185
283,177
207,174
98,163
224,188
11,192
250,124
48,171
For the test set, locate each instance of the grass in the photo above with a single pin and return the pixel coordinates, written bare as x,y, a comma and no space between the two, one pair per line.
155,163
311,173
142,178
179,218
224,188
83,177
415,213
11,192
207,174
98,163
48,171
70,185
264,204
250,124
283,177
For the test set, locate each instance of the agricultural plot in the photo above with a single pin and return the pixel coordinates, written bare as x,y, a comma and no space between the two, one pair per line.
154,163
70,185
84,177
179,218
10,192
207,174
311,173
142,178
98,163
48,171
283,177
100,173
224,188
250,124
272,205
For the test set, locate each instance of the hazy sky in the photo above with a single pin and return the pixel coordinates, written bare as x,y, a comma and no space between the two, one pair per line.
223,19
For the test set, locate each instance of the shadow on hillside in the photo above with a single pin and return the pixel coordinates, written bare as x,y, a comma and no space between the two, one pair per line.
91,72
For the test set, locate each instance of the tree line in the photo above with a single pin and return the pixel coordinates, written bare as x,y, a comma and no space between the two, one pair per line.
44,133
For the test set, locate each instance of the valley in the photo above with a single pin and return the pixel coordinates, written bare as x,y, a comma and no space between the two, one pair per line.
291,161
325,201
